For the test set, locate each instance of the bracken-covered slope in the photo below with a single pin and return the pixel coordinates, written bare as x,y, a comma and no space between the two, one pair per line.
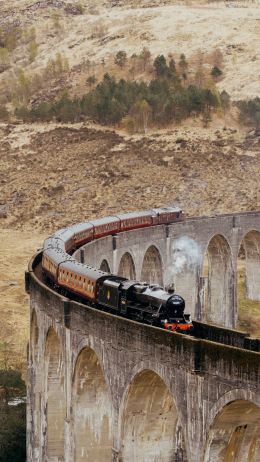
97,30
54,175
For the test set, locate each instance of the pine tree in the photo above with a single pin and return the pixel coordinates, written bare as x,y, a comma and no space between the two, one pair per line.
145,57
183,65
141,112
216,72
160,66
121,58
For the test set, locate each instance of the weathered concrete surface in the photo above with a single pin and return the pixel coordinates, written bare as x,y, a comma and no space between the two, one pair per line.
132,392
151,253
103,389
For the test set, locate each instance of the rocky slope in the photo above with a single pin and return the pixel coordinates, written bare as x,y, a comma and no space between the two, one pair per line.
55,175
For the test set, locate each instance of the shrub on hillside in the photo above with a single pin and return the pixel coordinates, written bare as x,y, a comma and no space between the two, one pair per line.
121,58
250,112
74,8
10,36
4,114
216,72
12,417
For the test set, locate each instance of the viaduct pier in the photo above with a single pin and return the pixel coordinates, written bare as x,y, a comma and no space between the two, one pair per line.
107,389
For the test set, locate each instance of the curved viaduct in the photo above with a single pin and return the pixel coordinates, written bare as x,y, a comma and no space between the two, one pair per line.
103,388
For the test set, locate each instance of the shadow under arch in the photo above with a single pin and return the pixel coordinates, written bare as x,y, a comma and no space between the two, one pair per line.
218,278
91,410
56,409
149,424
249,251
104,266
152,267
234,434
127,267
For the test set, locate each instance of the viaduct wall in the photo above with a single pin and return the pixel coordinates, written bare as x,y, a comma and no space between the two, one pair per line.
149,254
104,389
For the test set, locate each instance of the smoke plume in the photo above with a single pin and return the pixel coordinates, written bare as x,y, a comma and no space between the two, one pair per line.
185,255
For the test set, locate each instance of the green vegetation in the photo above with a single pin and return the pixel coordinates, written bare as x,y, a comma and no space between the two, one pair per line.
74,8
4,59
216,72
250,112
4,115
111,101
23,89
183,65
121,58
91,80
161,101
173,93
33,49
9,37
12,410
56,24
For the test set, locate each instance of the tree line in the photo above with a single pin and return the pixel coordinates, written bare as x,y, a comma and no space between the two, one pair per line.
136,104
161,101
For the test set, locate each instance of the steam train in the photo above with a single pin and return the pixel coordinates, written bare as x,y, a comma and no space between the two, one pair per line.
147,303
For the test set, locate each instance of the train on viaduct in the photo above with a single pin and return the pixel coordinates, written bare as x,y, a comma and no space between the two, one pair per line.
102,388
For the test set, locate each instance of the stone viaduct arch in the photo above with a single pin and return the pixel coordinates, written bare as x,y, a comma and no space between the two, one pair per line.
152,267
237,426
149,421
219,303
91,410
235,421
251,244
34,337
105,266
55,391
127,267
35,416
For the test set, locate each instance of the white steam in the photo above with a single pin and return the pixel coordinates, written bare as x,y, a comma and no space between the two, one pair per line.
185,256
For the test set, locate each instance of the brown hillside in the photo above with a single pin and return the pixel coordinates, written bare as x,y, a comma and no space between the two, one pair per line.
52,175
